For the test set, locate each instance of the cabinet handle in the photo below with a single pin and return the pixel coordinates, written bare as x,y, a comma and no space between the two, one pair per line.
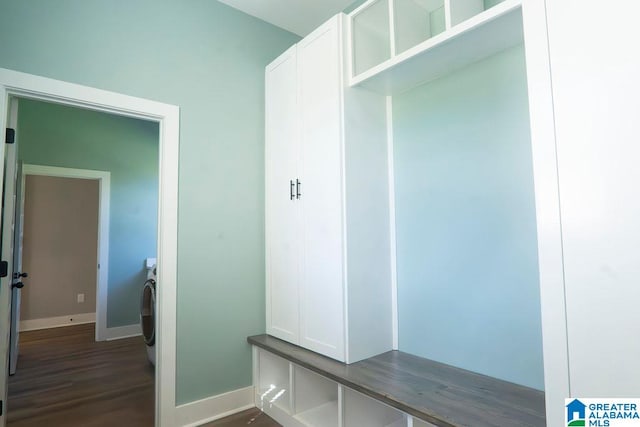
290,190
298,183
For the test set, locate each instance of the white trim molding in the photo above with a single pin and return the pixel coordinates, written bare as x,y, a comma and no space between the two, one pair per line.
213,408
102,262
15,84
547,197
57,322
119,332
392,223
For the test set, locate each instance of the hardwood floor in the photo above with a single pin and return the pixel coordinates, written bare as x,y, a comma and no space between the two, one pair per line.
252,418
66,379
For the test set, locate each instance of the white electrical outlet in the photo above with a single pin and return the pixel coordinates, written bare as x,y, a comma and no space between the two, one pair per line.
80,298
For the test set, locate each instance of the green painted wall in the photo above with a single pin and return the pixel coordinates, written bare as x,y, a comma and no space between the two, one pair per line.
55,135
468,290
490,3
208,59
353,6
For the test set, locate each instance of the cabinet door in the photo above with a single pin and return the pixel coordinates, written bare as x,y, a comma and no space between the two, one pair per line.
596,123
321,291
281,210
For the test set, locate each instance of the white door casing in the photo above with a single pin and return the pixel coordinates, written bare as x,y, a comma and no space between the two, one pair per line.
8,152
102,256
16,292
14,171
16,84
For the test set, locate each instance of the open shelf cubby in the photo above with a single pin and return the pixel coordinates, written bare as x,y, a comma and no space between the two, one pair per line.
273,382
316,399
371,36
416,21
360,410
370,393
431,38
461,10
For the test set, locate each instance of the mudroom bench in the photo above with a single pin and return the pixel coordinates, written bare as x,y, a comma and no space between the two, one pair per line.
298,387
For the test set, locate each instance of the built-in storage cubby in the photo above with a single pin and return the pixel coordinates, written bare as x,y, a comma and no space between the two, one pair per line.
461,10
360,410
316,399
416,21
371,36
393,389
273,383
429,38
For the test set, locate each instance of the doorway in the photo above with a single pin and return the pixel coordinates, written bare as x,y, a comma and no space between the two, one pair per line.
65,256
57,188
15,84
60,240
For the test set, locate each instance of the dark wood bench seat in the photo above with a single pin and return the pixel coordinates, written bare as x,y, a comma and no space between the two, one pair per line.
440,394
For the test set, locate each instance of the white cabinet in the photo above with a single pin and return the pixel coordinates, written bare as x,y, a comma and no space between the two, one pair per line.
585,148
596,117
281,156
326,193
319,117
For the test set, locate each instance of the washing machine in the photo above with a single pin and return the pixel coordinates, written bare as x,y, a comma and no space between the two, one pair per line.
148,313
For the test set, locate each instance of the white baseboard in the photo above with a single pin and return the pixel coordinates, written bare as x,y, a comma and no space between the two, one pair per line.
212,408
120,332
57,322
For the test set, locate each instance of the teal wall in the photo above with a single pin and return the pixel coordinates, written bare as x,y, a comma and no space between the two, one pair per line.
55,135
490,3
353,6
208,59
466,232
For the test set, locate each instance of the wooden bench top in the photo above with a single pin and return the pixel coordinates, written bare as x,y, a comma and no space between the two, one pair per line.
440,394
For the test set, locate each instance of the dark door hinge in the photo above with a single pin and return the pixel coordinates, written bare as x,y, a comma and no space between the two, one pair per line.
10,136
4,268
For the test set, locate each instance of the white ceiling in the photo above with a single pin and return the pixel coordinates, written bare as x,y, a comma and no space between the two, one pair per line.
297,16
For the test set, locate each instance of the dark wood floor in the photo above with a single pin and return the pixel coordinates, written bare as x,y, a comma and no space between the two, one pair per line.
65,378
252,418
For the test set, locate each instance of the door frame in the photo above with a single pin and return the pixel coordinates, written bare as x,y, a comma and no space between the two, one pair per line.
23,85
102,261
